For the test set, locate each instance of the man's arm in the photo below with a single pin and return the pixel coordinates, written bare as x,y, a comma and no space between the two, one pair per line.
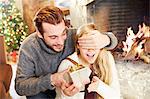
113,41
26,82
99,40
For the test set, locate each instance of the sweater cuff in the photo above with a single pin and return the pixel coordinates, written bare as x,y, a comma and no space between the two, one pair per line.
47,82
113,41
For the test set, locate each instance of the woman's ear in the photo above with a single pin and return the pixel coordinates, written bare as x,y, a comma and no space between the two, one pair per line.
77,49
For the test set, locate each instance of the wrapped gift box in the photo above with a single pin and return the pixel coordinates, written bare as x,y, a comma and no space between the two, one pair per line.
79,76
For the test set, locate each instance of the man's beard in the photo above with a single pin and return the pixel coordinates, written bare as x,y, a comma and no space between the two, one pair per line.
53,47
48,46
58,46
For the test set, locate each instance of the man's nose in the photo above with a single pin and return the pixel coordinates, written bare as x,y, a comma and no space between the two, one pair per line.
60,40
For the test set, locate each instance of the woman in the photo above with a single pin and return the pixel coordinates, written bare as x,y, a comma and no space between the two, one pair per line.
104,79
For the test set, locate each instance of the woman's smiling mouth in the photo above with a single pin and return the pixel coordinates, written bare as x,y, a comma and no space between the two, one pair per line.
90,55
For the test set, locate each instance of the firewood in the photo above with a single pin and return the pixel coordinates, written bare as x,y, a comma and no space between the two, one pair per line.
145,58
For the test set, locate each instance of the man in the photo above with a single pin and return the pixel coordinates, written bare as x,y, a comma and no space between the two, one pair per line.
42,52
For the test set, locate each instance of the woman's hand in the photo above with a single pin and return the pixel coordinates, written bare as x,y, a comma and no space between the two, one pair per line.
69,89
93,87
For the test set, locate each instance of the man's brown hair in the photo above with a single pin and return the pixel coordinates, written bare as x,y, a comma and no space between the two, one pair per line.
48,14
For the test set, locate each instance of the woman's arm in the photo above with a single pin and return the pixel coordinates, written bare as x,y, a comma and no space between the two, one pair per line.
111,91
65,64
106,91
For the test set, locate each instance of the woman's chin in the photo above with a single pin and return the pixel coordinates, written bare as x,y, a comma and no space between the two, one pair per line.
90,61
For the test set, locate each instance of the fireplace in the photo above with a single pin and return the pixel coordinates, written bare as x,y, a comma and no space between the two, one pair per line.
117,15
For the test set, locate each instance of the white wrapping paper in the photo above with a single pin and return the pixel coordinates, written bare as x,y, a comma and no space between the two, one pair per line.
79,77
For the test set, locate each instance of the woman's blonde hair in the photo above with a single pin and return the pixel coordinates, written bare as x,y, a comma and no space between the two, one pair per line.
102,65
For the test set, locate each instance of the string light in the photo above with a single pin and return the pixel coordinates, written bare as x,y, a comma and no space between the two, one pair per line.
12,25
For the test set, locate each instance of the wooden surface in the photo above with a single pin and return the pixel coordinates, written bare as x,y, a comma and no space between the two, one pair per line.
2,50
147,45
5,80
5,72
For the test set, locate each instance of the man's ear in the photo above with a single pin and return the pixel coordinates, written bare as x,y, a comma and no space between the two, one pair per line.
77,46
39,35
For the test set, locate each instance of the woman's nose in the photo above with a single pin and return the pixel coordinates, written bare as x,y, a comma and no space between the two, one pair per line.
91,49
